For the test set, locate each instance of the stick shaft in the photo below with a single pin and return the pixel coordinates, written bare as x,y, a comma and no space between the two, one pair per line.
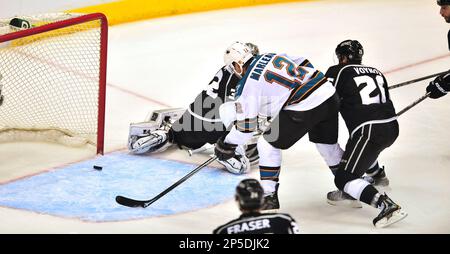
416,80
173,186
413,104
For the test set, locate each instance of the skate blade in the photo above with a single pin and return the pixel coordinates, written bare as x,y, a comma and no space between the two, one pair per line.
395,217
345,203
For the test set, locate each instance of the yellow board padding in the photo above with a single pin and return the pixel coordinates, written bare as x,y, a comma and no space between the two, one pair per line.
133,10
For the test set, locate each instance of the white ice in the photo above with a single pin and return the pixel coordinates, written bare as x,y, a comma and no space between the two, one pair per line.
167,61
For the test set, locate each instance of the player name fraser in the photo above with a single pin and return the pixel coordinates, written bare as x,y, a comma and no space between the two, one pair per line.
260,65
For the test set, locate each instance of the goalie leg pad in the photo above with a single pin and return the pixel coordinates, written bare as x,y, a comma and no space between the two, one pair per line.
169,115
157,141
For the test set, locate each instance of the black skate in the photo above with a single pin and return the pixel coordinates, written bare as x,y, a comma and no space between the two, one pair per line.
340,198
390,212
271,203
378,179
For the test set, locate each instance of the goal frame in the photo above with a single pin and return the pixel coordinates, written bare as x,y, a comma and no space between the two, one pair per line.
103,59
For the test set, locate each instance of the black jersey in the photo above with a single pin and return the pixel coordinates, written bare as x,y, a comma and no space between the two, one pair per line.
448,38
221,89
260,223
363,94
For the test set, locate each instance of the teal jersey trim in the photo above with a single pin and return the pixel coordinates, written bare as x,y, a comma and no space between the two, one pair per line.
241,84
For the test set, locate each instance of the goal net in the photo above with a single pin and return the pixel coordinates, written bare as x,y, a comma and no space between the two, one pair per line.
53,78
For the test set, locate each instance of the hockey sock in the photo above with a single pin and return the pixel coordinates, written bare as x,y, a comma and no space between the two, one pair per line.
269,186
372,171
334,169
368,195
356,187
269,173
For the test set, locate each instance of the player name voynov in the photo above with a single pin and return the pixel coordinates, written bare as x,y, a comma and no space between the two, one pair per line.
364,70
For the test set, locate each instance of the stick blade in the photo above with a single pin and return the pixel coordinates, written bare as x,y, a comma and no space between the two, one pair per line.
130,202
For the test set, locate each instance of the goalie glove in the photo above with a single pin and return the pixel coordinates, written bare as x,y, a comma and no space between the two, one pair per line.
224,151
238,164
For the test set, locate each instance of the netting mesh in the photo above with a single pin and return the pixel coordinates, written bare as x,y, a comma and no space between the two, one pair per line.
50,80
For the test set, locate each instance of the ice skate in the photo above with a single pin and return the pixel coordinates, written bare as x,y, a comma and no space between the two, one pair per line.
378,179
271,203
390,212
340,198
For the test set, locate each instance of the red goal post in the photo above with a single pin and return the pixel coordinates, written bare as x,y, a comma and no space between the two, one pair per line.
53,79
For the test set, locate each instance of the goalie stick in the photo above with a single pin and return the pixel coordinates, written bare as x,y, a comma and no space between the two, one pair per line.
144,203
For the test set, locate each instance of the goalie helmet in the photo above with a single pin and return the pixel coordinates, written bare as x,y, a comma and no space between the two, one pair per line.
249,194
238,53
351,49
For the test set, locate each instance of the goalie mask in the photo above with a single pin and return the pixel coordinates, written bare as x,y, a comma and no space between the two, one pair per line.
238,53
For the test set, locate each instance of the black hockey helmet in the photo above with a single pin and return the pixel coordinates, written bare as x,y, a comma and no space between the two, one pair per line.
443,2
352,49
249,194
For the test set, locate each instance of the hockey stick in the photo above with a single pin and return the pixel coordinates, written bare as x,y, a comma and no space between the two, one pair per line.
413,104
144,203
416,80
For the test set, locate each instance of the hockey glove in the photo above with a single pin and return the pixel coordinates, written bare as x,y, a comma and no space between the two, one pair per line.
438,87
224,151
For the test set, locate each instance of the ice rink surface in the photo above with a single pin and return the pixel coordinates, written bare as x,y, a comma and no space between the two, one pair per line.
166,62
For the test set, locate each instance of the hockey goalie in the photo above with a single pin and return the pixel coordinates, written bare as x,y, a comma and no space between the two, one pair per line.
205,120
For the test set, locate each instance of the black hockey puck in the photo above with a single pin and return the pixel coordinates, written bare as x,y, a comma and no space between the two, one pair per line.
98,167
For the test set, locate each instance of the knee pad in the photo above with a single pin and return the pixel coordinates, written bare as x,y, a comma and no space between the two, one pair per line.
342,177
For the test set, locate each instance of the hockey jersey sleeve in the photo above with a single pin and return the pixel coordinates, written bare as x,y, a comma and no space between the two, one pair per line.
247,109
301,61
332,73
206,104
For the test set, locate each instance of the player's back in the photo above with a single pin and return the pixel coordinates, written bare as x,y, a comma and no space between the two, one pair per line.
260,223
279,80
363,92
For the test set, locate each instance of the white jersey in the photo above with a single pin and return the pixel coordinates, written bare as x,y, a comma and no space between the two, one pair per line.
274,82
